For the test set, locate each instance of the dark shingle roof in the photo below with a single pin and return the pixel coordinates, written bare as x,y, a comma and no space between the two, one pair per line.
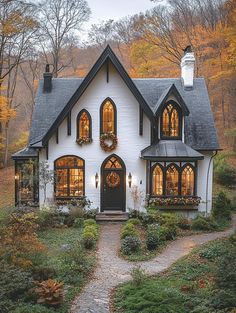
25,153
200,133
170,149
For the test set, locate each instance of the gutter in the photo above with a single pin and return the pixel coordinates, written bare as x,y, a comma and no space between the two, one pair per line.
207,184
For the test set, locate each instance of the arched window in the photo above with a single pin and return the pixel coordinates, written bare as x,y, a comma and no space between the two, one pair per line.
69,182
187,181
84,127
172,181
157,181
113,162
108,117
171,123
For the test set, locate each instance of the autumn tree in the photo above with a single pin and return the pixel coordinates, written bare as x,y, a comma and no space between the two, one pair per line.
59,21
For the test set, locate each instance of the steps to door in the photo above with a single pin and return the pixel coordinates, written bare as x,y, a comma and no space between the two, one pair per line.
112,216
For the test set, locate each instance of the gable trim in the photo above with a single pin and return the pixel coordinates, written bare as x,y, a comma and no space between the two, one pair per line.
107,55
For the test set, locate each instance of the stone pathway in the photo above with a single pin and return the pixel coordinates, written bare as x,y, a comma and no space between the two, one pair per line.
111,270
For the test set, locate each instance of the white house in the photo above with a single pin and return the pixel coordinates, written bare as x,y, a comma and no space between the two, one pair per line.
107,133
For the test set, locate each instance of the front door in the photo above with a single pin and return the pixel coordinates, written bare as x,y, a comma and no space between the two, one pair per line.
113,184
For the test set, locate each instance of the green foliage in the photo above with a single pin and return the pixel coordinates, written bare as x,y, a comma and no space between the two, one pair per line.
130,244
78,222
138,275
90,222
7,305
91,213
14,282
152,237
224,173
203,223
183,222
222,207
134,221
128,230
41,272
32,308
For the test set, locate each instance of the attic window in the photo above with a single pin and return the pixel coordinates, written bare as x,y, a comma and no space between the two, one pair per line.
84,127
108,117
171,121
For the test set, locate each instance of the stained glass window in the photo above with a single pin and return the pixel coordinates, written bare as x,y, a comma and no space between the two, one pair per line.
187,181
108,117
170,122
157,181
172,181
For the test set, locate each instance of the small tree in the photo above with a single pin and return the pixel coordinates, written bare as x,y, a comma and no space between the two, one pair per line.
136,195
46,176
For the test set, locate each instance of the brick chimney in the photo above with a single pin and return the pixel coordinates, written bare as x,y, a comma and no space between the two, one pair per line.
187,68
47,79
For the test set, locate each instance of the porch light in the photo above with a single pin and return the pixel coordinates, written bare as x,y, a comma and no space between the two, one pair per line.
129,180
17,177
96,180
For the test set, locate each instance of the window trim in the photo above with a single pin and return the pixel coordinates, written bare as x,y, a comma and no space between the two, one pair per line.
101,115
180,115
68,168
77,124
180,170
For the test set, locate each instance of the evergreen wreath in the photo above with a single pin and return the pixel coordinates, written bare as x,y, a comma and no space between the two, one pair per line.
108,136
113,180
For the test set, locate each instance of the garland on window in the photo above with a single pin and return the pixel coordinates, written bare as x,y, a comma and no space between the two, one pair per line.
83,140
175,201
106,137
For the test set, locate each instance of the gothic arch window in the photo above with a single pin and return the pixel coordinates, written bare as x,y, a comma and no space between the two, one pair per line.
69,180
171,121
172,180
108,117
84,126
187,181
157,181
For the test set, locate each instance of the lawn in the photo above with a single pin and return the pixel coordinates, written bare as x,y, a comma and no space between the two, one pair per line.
7,189
203,282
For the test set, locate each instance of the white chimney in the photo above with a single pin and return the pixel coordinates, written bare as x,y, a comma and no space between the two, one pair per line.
187,68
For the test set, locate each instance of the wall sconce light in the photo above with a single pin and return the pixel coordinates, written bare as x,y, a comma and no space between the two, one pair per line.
129,179
17,177
96,180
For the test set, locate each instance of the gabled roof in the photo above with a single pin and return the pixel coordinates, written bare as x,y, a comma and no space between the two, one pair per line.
171,90
51,108
106,56
172,150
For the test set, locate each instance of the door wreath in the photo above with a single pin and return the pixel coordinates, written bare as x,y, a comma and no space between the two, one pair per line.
113,180
106,137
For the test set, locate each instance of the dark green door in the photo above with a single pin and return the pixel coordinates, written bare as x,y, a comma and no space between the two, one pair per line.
113,185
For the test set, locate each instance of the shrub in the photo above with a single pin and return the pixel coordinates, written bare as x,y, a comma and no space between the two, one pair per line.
89,240
78,222
91,229
90,222
201,223
130,244
167,233
138,275
221,207
43,272
91,213
7,306
183,222
152,237
170,219
225,175
14,281
49,292
226,274
128,230
134,221
20,240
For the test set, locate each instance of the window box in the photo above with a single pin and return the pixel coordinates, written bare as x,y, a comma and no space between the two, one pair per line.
166,201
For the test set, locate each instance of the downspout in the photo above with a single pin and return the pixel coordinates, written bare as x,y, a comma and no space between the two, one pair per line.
207,184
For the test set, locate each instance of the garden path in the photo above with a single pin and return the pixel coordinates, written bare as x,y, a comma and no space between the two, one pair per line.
112,270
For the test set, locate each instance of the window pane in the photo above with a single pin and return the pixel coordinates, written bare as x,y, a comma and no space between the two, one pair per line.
165,123
113,163
61,183
174,129
26,180
108,118
172,180
69,162
76,182
187,186
84,126
157,181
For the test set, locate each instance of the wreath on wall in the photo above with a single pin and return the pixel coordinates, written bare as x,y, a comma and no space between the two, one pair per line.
113,180
108,137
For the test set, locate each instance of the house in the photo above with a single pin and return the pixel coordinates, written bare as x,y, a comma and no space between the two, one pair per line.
107,135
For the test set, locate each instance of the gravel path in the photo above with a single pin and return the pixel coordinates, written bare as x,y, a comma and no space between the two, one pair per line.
112,270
